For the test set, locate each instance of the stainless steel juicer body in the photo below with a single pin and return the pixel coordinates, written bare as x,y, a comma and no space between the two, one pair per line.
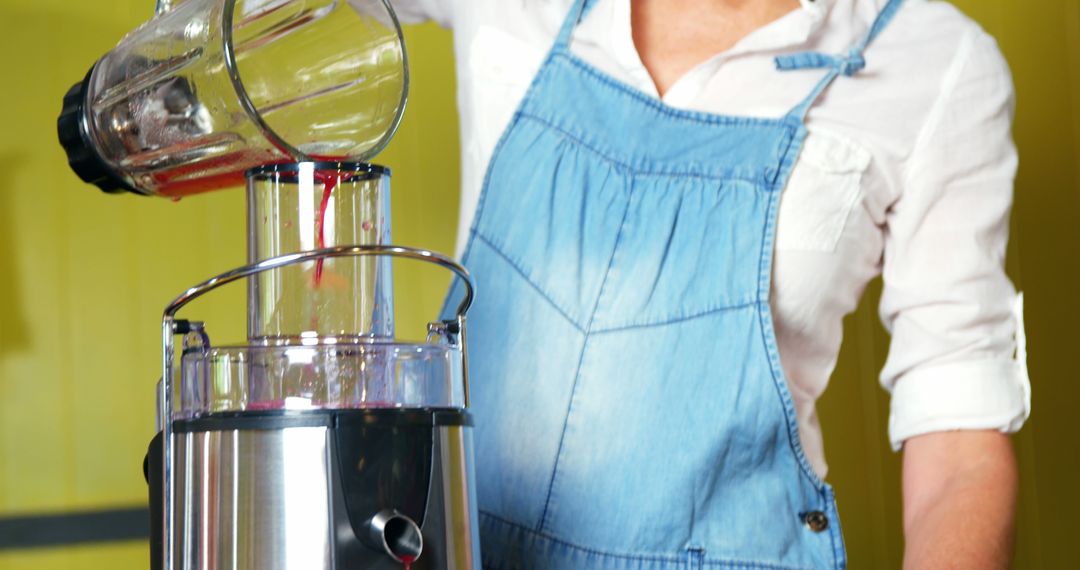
305,491
314,489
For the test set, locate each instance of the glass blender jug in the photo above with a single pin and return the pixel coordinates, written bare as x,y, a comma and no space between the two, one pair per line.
208,89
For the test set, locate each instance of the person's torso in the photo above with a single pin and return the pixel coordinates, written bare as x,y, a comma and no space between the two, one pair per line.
630,404
830,231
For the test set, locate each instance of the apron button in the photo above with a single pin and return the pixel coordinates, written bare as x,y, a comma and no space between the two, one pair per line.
816,521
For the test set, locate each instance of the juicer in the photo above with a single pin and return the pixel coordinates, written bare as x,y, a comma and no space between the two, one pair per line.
323,441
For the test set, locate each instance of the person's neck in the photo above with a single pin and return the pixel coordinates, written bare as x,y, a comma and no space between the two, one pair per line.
674,36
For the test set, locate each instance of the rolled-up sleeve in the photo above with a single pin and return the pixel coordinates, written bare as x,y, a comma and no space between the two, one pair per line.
956,360
417,11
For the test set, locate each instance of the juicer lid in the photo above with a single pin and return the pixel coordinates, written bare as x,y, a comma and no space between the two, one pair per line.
341,376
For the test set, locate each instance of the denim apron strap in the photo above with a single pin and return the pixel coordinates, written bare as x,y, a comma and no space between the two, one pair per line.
573,18
848,64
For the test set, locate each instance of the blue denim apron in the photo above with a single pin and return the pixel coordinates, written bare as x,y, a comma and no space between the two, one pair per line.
631,411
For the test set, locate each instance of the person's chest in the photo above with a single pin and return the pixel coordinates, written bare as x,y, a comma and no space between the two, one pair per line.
835,203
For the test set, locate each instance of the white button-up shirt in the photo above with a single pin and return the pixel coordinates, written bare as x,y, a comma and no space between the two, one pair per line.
907,172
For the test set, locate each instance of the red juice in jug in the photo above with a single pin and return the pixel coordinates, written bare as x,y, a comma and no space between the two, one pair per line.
224,171
212,174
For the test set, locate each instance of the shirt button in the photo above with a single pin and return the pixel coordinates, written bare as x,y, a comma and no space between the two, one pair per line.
816,521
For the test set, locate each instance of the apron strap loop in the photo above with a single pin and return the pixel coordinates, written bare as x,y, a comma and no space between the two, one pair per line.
847,65
837,65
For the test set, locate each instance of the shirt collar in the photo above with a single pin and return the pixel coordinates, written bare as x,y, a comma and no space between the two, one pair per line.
790,30
816,9
796,27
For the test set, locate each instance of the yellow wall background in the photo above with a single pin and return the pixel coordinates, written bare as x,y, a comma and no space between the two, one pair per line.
84,276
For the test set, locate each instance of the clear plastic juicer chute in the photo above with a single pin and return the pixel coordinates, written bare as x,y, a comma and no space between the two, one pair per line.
306,206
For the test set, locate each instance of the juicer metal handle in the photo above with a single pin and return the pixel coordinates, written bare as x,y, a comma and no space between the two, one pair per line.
168,331
327,252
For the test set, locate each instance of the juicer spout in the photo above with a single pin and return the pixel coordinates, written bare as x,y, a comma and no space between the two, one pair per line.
395,534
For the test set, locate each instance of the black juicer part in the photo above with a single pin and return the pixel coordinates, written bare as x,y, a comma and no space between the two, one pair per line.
83,157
